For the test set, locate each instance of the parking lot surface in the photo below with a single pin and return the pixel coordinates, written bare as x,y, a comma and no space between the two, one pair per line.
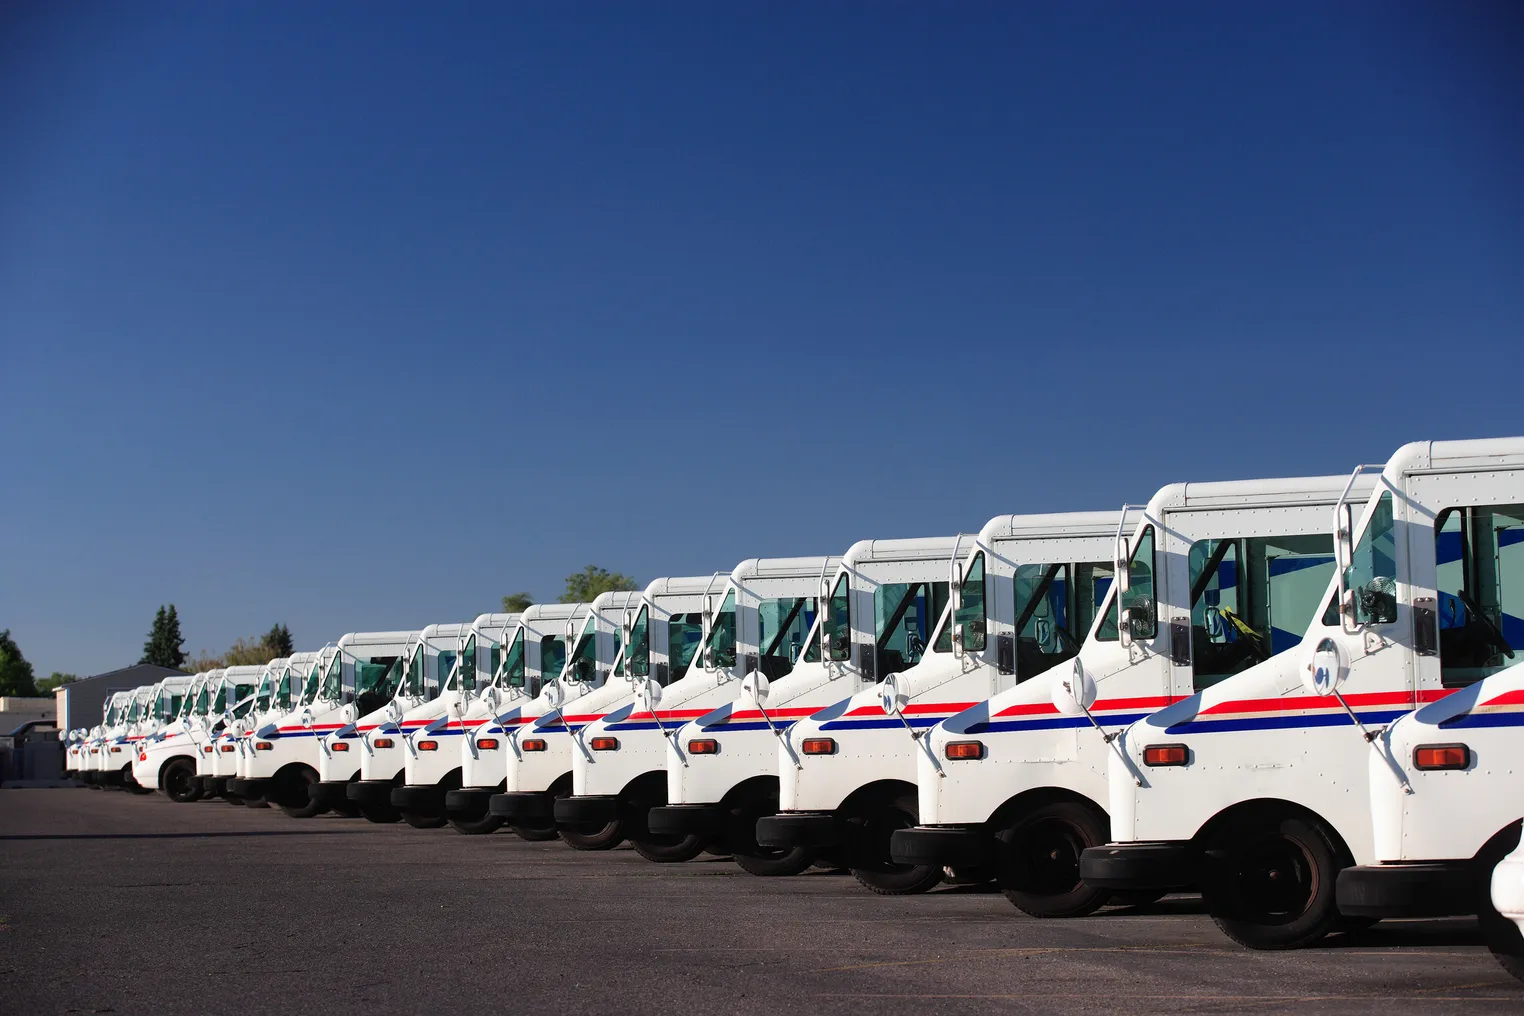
132,904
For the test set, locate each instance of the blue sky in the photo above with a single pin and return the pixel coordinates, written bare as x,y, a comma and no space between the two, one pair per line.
689,283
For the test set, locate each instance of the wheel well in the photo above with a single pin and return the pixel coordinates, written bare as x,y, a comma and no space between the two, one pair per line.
1037,797
1502,842
560,783
642,785
875,793
755,786
171,761
285,771
1268,808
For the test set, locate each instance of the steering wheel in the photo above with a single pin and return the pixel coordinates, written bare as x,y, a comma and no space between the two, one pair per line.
1491,629
1255,640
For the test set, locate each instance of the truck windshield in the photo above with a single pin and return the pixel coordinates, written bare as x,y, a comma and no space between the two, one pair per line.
510,674
785,624
203,700
1479,557
376,681
970,613
1139,598
412,680
904,615
314,680
684,632
637,655
262,696
332,689
838,620
285,689
722,633
465,679
219,701
1252,598
581,664
434,677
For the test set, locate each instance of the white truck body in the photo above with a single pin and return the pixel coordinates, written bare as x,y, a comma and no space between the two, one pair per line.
753,623
120,749
1024,598
241,685
93,749
1259,786
166,759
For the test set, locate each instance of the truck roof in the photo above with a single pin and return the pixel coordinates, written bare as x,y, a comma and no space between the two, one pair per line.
926,548
784,567
1258,493
1026,527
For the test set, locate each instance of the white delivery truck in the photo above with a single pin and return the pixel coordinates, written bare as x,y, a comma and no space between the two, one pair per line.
92,753
166,759
757,629
533,650
208,716
1442,812
1025,594
432,764
271,701
384,746
122,748
875,612
289,749
539,760
1256,788
1217,576
240,685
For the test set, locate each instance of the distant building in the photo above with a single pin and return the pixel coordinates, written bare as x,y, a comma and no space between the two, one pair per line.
81,702
16,710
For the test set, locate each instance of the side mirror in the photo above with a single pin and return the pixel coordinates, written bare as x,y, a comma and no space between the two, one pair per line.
555,694
491,698
626,629
756,685
350,713
306,717
1344,536
1326,669
957,641
957,586
651,692
1124,628
891,697
1074,692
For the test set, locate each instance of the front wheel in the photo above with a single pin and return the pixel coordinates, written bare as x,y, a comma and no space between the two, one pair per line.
294,798
741,837
381,814
1270,882
179,781
418,821
479,825
1038,859
236,800
534,832
868,833
607,838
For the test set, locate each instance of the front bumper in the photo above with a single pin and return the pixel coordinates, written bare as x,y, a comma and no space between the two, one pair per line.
1434,889
369,791
522,804
213,786
586,811
942,846
1140,865
331,793
472,799
798,829
419,800
249,788
684,819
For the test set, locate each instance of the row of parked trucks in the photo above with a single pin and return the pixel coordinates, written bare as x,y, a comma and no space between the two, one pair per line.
1311,723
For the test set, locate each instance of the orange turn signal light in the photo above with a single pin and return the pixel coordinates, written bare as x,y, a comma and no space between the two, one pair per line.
228,748
428,745
341,746
263,746
964,749
1166,755
207,749
487,744
605,744
384,742
116,751
533,744
1441,756
704,746
819,746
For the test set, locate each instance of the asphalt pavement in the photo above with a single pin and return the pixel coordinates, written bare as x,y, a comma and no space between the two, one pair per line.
114,903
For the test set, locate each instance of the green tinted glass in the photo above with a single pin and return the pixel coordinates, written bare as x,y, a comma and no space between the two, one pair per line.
637,655
970,612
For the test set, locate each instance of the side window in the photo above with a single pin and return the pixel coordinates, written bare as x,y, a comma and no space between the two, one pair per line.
784,625
723,634
376,682
970,613
1372,574
552,657
684,632
904,616
637,655
839,621
1139,597
467,672
1253,598
443,666
512,668
1045,631
1480,556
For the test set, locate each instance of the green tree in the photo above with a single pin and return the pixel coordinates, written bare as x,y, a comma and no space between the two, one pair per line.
165,646
583,586
55,680
278,641
16,677
517,603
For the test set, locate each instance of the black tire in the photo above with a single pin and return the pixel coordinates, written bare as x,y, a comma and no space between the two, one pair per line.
234,799
668,849
476,826
293,797
418,821
1269,881
179,781
607,838
741,837
534,833
867,848
381,814
255,802
1038,854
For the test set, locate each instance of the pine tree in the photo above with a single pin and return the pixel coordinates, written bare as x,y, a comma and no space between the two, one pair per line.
16,677
278,640
165,646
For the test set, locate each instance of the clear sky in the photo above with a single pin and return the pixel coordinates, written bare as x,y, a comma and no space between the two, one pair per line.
360,315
